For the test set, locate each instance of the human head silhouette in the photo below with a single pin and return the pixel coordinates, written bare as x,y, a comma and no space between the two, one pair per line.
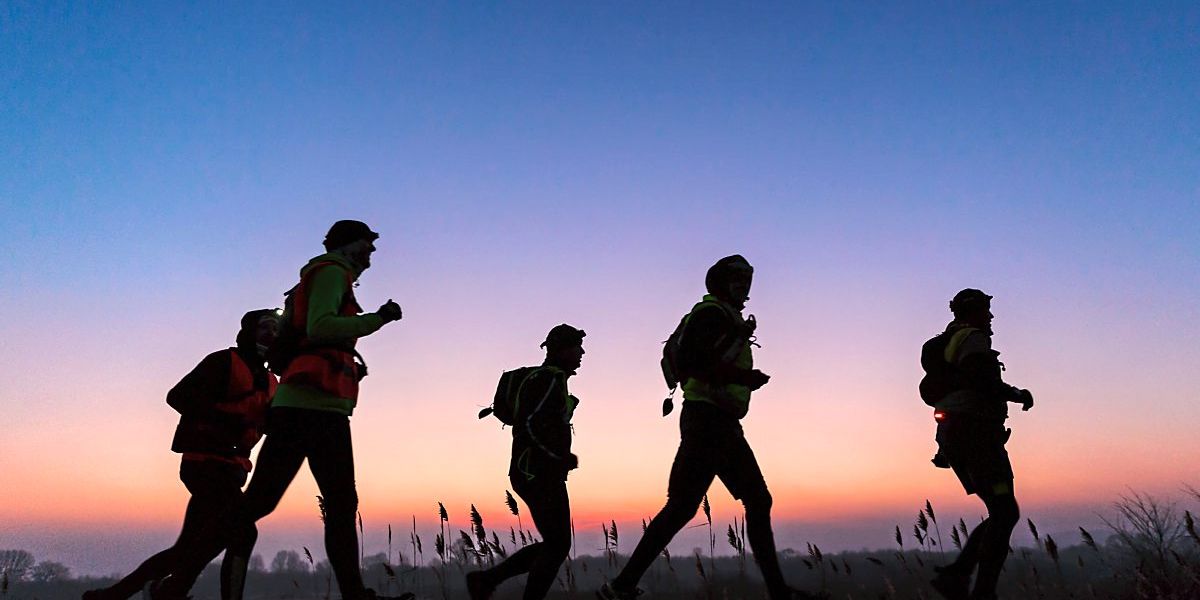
352,239
729,279
564,347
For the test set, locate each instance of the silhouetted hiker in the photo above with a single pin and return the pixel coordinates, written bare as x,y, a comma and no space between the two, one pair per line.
222,404
970,399
716,367
309,416
535,401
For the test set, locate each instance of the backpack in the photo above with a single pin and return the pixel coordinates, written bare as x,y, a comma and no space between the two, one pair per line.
671,369
287,342
941,377
508,394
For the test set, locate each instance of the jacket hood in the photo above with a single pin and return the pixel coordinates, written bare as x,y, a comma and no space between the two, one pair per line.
331,257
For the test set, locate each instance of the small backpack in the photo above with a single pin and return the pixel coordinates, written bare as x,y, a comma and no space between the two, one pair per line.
508,394
672,373
941,377
287,342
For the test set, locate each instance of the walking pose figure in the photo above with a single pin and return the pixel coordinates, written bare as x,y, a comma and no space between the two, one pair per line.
715,364
536,403
222,405
970,400
309,417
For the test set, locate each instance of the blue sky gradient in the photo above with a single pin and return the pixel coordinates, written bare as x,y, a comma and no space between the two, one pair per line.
165,167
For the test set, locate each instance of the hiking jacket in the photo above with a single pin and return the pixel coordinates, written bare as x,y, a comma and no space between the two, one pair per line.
715,353
542,428
324,376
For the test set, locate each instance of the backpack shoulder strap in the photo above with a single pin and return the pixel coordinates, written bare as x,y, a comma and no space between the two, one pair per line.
950,354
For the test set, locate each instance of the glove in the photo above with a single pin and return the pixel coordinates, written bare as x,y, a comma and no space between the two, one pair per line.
571,462
390,311
756,379
1026,399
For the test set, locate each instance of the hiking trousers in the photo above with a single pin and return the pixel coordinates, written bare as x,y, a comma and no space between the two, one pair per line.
550,508
216,488
322,437
712,445
293,435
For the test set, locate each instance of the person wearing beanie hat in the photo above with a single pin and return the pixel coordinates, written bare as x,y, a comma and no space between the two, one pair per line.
970,406
319,372
541,460
222,405
718,375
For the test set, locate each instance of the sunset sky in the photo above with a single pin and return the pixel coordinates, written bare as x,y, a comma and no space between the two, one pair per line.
164,168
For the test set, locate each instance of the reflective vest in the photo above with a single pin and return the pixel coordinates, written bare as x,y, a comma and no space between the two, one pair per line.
235,425
329,368
736,351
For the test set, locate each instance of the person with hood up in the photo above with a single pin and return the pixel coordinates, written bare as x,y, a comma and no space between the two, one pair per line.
222,405
717,364
309,417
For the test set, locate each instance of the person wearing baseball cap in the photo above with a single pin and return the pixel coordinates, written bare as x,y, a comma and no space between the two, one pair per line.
541,460
970,409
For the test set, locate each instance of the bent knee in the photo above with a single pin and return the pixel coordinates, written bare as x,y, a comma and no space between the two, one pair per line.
679,510
1004,512
557,549
758,502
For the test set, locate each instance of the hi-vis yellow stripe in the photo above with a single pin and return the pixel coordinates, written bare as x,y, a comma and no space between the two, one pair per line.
956,341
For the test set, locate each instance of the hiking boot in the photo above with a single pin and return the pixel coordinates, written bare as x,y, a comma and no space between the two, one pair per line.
478,586
951,584
607,592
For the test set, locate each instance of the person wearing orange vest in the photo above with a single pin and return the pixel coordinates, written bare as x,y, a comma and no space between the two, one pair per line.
222,405
309,417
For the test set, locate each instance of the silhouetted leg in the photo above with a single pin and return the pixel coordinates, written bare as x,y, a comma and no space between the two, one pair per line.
968,559
551,514
214,487
236,562
742,476
152,568
331,458
692,473
278,462
520,561
517,563
1003,514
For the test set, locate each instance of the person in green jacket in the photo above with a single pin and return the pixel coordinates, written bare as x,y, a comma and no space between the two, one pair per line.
309,416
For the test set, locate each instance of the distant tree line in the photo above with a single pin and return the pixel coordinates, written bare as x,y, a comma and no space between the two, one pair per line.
19,565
